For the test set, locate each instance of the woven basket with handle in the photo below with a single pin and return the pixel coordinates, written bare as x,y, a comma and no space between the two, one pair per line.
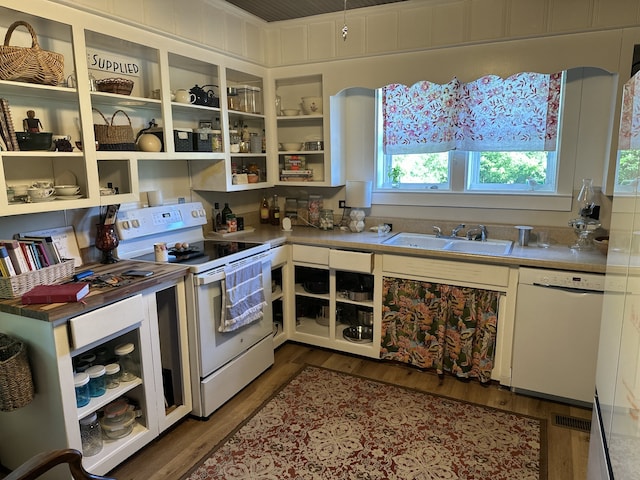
29,64
16,382
114,137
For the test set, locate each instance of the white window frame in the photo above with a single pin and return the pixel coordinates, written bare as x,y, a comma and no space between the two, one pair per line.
458,195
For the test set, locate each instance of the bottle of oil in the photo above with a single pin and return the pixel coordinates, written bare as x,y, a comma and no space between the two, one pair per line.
264,211
225,212
274,212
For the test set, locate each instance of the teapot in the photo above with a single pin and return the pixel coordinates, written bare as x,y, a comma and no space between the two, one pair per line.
205,97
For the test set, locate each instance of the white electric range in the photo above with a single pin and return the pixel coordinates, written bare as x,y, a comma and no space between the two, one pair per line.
222,363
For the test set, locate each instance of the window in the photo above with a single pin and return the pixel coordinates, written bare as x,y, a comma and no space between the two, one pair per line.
503,131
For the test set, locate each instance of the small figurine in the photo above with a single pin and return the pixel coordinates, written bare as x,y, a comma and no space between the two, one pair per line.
31,123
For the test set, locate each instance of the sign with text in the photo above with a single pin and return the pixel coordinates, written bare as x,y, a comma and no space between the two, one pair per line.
107,62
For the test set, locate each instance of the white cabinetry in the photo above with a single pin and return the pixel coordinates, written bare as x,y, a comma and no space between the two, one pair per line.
159,67
303,134
57,108
154,322
280,281
324,308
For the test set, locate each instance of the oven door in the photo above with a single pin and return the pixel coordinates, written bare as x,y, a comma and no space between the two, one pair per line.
218,348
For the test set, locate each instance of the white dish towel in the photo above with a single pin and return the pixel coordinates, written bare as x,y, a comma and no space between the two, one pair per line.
243,299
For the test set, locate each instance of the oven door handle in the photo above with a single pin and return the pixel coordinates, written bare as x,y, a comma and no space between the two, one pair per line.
211,276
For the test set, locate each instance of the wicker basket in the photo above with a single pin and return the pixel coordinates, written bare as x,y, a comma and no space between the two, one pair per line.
121,86
114,137
29,64
15,286
16,382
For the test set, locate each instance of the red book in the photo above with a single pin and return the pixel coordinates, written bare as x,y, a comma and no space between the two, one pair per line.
65,292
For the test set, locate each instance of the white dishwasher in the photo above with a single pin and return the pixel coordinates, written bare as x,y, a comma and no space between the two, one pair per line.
556,334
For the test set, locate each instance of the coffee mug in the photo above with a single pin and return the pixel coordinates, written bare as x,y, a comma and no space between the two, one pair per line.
40,193
182,96
161,252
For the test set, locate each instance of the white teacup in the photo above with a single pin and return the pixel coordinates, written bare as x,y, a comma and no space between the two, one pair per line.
182,96
38,193
19,190
66,189
42,184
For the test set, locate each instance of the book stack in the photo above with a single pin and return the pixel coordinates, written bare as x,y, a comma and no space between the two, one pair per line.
295,169
27,254
8,139
296,175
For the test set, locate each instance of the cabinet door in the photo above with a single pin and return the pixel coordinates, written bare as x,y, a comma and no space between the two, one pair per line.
279,283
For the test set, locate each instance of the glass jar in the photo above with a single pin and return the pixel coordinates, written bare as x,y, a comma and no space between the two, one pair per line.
128,364
250,99
81,381
112,375
97,385
89,358
326,219
216,140
91,435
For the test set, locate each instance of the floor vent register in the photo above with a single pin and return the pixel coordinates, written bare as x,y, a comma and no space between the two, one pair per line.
573,423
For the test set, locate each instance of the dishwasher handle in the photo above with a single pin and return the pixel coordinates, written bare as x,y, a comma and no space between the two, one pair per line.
567,289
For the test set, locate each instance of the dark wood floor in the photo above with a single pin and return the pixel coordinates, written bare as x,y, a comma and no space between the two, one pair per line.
172,455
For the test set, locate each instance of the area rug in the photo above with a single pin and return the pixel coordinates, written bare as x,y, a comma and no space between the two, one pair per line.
325,424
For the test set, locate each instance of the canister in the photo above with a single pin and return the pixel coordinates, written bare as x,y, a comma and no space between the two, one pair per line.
128,364
112,375
97,385
216,140
250,99
81,381
91,435
326,219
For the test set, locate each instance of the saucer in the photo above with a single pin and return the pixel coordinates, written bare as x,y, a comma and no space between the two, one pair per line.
68,197
45,199
286,224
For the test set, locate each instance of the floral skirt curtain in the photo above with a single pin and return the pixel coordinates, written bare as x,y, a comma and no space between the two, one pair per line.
431,325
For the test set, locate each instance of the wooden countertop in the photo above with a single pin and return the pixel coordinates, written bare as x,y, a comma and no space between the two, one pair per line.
558,256
99,296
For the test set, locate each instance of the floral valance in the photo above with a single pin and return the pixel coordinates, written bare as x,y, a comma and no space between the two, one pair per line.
629,136
519,113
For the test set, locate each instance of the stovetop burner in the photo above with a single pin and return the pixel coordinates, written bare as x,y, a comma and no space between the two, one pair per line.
140,228
205,252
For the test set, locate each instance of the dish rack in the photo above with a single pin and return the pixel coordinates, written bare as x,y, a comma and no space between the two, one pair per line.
15,286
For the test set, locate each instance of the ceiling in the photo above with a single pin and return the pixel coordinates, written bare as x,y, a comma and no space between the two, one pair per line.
276,10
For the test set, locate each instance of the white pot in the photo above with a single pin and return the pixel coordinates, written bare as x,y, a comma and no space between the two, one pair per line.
312,105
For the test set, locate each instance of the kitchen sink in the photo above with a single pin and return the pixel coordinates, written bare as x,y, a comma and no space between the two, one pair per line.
461,245
417,240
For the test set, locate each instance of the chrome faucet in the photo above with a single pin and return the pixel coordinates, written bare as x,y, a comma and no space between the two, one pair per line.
454,232
477,233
